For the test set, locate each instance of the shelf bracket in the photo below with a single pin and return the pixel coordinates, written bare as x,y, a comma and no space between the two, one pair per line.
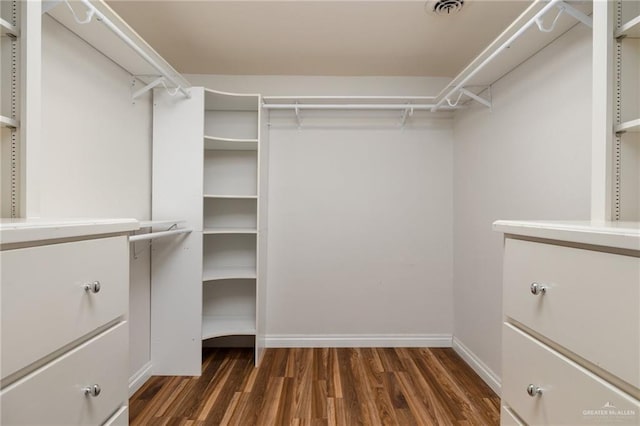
477,98
580,16
135,95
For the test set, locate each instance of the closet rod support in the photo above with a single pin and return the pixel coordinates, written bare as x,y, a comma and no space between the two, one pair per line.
475,97
154,235
580,16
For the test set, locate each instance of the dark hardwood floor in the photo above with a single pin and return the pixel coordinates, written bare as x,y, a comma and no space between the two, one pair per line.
344,386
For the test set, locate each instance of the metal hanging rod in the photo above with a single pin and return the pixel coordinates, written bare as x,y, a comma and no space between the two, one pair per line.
537,20
387,107
94,12
161,234
348,98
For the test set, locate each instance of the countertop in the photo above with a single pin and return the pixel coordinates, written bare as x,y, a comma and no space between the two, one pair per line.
624,235
24,230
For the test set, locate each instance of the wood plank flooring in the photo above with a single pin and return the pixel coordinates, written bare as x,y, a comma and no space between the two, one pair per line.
327,386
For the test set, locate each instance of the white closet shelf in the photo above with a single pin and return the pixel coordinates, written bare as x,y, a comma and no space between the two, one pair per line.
230,144
8,122
215,274
108,33
521,40
231,196
218,326
214,231
631,29
8,30
629,126
224,101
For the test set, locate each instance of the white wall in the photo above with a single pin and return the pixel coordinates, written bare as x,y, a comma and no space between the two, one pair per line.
96,153
360,217
529,158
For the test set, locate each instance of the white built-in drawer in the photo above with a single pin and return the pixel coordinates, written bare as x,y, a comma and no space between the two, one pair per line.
54,394
44,305
591,305
571,395
507,418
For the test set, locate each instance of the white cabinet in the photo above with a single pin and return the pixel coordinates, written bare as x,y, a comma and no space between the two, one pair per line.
571,333
65,338
210,157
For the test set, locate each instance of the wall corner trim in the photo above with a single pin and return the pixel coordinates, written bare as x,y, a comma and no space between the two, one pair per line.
358,340
139,378
485,373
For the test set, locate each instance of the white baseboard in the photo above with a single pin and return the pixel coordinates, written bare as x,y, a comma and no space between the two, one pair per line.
358,341
140,378
485,373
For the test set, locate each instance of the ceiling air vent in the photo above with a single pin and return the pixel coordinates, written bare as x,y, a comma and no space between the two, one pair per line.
444,7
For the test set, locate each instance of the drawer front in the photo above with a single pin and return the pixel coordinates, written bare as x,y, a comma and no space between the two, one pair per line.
591,305
53,394
507,418
570,395
44,303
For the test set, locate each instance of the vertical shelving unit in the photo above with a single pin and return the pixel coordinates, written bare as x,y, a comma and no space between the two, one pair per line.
230,216
210,155
627,111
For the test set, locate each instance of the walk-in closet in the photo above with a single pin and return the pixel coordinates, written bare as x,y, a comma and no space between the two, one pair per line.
320,212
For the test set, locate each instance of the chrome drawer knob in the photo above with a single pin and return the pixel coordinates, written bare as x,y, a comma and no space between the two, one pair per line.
537,289
93,287
93,390
534,390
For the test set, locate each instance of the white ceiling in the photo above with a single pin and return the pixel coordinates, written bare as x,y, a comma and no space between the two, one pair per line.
373,38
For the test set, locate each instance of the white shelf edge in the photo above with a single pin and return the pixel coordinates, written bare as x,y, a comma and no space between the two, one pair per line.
220,139
8,30
629,126
239,197
154,223
214,231
630,29
229,274
214,326
8,122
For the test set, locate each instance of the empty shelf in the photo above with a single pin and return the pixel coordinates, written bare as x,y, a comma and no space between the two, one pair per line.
629,126
631,29
230,231
229,144
8,122
229,274
8,29
240,197
214,326
223,101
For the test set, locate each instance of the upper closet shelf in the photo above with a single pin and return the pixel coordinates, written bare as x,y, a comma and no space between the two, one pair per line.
97,24
535,28
631,29
223,101
8,29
